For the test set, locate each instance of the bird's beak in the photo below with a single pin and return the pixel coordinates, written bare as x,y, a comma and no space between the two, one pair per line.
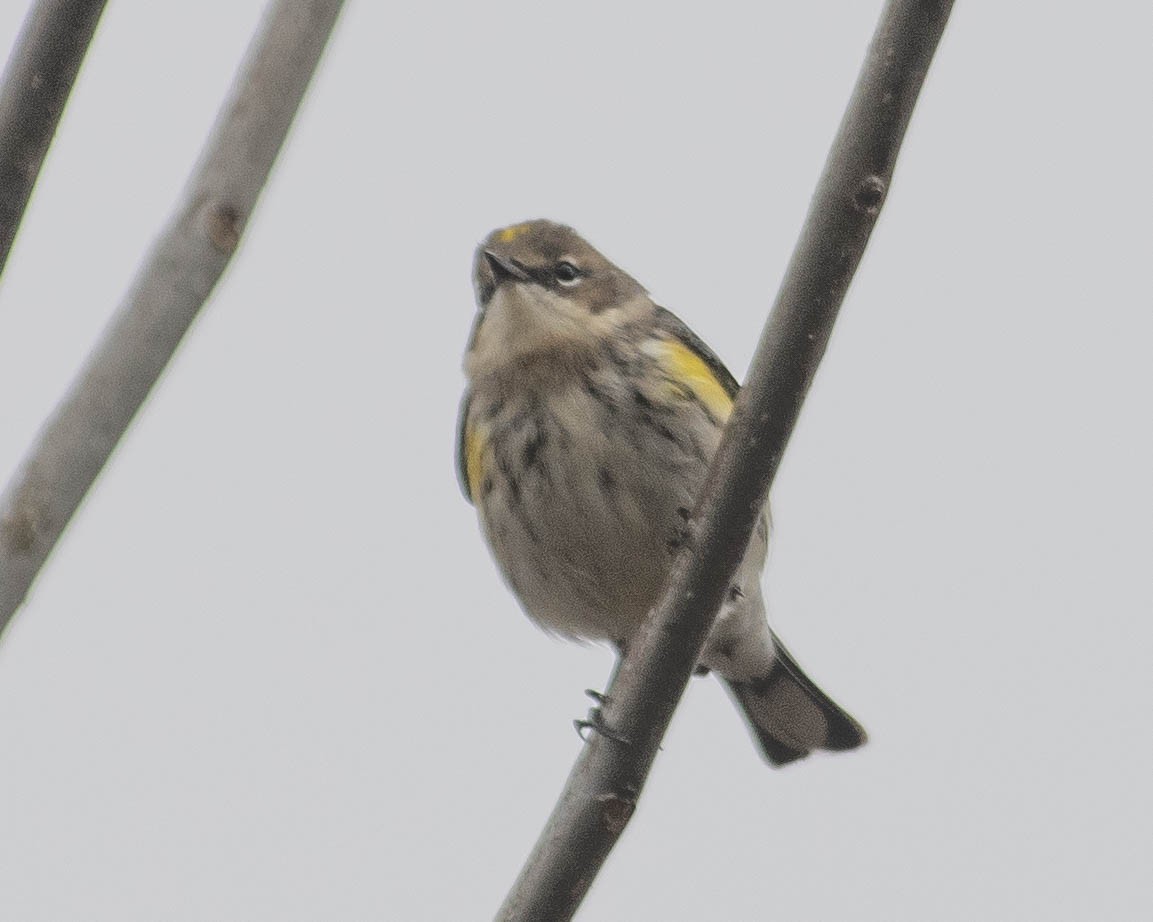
505,268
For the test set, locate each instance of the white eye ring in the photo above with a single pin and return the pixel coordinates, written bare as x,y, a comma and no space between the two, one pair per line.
566,273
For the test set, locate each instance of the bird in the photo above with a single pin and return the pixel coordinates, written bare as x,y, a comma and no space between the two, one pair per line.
586,428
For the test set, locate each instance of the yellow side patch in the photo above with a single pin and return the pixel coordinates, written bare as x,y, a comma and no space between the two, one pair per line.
509,234
687,368
475,445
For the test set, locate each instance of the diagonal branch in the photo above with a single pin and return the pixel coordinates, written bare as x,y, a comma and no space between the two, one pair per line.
602,790
174,281
37,80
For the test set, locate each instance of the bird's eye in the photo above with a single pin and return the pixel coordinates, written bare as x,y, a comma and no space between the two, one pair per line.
566,273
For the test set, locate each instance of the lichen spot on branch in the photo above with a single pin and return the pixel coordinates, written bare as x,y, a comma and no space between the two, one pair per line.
870,195
616,811
18,533
222,223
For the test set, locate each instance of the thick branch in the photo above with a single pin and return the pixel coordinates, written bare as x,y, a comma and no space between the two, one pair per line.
36,84
604,785
173,283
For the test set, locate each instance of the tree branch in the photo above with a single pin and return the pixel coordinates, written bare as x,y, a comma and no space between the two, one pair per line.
170,287
36,84
602,790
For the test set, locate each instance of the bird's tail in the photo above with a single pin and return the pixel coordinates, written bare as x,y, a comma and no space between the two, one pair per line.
789,715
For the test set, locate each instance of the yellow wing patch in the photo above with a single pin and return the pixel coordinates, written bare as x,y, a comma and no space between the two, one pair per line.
688,369
475,448
509,234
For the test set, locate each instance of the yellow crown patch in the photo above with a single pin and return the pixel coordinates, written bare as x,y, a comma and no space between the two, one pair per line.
509,234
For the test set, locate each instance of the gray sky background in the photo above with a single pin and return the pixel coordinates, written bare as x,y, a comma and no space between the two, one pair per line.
271,672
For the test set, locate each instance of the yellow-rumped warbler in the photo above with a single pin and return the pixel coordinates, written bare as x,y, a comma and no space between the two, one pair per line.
586,431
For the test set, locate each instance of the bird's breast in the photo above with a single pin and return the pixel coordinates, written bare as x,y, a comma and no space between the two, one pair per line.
585,485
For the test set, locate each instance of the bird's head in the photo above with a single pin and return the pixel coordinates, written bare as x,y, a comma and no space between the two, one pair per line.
544,293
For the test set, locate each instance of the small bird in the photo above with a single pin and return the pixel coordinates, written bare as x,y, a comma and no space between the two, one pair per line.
588,424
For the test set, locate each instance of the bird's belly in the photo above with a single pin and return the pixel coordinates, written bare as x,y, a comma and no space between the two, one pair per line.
585,554
584,520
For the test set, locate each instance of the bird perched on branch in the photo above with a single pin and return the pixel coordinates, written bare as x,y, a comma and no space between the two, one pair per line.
589,422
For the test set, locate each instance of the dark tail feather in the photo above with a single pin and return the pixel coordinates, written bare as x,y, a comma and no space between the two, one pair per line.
790,716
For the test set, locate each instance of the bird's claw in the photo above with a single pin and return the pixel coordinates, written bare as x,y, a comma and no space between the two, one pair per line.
596,722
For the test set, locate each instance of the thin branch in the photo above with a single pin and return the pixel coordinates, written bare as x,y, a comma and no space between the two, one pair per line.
37,80
602,790
174,281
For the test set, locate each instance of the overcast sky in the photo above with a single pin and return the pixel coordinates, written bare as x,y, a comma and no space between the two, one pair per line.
271,671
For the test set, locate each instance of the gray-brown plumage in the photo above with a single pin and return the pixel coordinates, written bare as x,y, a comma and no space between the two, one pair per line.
588,425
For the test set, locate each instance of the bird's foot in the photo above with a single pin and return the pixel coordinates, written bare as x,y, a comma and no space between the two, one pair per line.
596,721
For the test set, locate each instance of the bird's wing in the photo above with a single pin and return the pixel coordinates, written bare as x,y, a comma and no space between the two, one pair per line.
671,323
711,368
467,454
